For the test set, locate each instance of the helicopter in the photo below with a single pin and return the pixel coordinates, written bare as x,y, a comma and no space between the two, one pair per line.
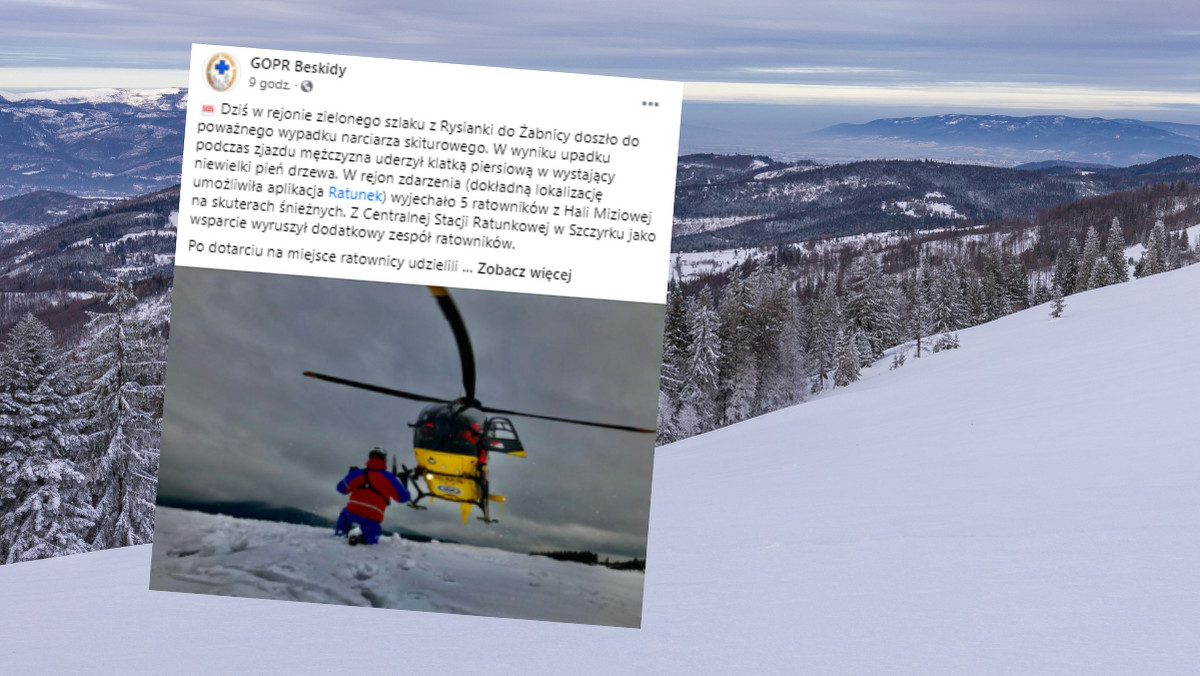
453,438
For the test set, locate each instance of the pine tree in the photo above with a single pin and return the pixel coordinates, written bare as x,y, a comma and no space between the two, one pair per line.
1041,294
738,367
45,508
870,307
948,309
1016,282
847,359
126,375
697,407
1066,268
1154,260
676,340
994,297
974,300
1101,275
1057,303
914,314
664,429
1115,253
825,321
778,344
1088,260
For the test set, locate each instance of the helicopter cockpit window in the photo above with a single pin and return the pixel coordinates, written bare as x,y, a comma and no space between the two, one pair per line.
449,430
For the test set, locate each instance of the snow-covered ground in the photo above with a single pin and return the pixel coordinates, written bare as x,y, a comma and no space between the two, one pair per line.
1138,250
207,554
1027,503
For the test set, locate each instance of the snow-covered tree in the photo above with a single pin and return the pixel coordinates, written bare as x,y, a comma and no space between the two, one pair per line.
1066,268
676,340
1057,303
738,366
697,407
847,360
120,362
1154,260
45,510
1041,294
776,332
664,428
947,307
870,306
974,300
1115,253
1102,275
1088,260
1016,282
825,321
995,298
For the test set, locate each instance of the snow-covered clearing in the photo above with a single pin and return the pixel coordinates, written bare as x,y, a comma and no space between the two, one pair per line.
924,206
1138,250
206,554
1027,503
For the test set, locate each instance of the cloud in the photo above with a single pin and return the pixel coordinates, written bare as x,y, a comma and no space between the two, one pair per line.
42,78
999,96
1108,48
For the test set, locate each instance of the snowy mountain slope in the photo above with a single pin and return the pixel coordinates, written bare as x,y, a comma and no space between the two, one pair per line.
91,143
1027,503
207,554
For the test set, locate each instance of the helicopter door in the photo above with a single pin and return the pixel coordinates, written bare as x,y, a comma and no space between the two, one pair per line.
501,437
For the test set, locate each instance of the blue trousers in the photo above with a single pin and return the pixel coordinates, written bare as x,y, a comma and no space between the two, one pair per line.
370,529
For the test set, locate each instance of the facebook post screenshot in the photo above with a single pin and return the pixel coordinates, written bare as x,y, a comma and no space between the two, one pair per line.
416,336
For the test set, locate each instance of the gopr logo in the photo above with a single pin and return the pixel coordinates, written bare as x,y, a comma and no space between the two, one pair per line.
221,71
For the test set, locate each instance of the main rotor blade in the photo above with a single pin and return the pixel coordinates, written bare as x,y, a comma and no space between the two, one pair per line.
626,428
465,354
376,388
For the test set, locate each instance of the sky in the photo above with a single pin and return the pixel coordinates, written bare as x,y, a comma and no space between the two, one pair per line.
867,58
242,424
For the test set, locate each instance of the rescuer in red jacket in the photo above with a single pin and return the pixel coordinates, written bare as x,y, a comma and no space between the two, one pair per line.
371,490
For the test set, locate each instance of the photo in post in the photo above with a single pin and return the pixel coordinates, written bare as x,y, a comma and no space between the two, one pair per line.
416,351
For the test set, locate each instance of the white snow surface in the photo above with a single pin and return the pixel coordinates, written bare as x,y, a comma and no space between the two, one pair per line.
207,554
1027,503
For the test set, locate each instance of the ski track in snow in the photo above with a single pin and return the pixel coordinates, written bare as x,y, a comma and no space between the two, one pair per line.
1027,503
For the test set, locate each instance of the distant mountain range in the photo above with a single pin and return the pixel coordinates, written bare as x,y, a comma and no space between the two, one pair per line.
723,201
1008,140
787,133
95,143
